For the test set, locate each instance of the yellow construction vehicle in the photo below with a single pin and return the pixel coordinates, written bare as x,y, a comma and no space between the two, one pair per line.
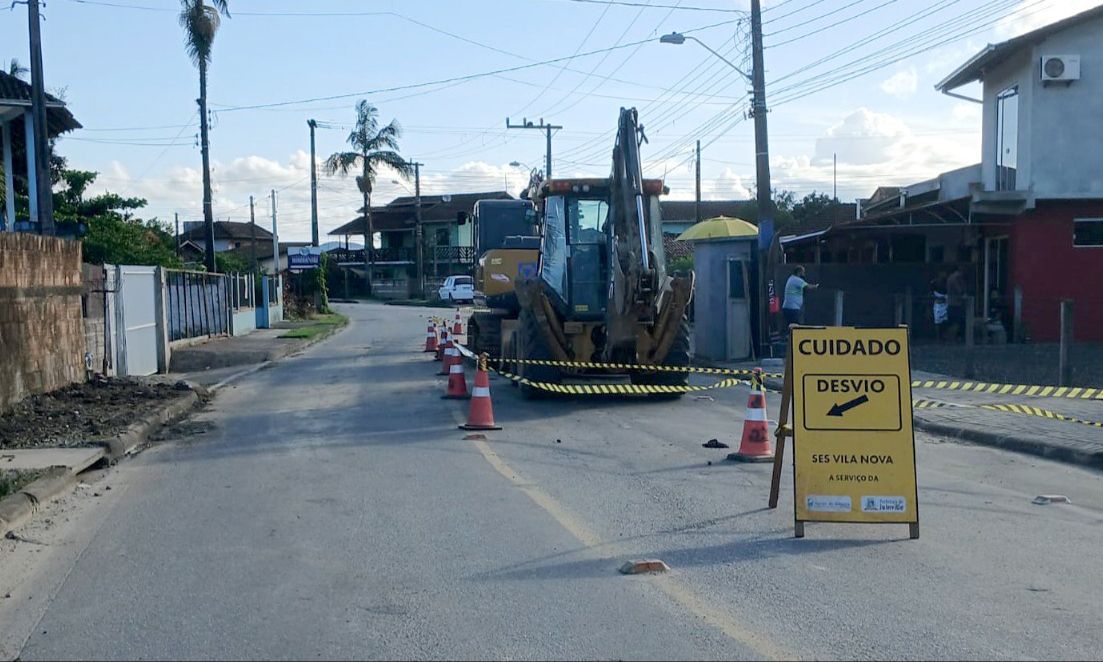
587,282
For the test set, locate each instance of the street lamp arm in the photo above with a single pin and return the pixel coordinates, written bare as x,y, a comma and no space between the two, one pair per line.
726,61
678,38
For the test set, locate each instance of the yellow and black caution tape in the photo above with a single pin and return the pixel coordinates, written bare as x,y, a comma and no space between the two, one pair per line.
1075,392
928,404
1030,410
590,365
604,389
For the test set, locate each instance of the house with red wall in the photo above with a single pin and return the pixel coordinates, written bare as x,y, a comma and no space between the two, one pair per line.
1025,225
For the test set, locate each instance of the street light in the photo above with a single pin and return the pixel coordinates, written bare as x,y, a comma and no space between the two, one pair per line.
762,154
677,38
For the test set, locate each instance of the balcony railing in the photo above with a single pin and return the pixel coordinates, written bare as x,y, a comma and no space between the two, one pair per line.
407,254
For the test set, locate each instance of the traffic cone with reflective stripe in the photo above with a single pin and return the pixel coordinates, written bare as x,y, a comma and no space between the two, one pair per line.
431,338
457,382
448,353
441,343
481,414
457,326
755,445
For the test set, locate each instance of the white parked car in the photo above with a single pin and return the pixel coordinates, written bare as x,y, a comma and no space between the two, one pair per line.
457,288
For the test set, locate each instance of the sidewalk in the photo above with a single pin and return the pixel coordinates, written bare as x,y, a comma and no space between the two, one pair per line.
960,415
210,362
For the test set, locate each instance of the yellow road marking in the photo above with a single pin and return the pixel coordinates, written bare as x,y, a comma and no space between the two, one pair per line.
714,615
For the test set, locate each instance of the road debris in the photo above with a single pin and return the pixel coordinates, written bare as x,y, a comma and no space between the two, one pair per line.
643,567
715,443
1045,499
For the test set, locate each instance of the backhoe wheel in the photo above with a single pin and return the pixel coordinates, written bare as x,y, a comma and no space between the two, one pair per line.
678,356
532,345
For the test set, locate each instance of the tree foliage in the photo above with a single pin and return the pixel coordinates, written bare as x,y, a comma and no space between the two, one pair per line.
200,22
372,148
112,234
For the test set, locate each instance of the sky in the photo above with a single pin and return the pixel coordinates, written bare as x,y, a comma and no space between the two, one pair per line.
850,88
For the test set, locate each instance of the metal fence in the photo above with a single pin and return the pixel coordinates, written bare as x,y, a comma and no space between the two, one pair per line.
199,303
242,291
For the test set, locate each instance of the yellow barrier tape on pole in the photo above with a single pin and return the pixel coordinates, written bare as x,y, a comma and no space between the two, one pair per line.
590,365
603,389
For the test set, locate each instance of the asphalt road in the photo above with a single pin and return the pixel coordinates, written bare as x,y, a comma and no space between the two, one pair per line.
328,507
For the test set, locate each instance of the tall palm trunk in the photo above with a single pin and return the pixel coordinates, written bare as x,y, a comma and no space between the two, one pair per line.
208,213
369,229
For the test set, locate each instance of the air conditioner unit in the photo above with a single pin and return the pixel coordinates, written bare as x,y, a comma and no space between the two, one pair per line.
1060,68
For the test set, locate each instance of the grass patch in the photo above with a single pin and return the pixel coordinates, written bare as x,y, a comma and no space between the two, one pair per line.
319,325
13,481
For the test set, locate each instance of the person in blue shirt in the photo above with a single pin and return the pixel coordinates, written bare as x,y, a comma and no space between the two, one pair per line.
793,306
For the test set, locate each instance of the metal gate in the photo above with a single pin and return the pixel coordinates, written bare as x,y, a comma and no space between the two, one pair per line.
136,319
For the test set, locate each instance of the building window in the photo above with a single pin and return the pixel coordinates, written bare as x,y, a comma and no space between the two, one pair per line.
1087,232
1007,138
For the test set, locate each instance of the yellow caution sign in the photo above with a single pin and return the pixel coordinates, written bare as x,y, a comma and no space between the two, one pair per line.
853,446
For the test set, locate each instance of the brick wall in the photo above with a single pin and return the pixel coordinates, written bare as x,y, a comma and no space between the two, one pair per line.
92,303
42,341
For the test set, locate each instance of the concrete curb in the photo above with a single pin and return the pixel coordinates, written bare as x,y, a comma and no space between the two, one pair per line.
1024,445
1013,443
137,433
16,509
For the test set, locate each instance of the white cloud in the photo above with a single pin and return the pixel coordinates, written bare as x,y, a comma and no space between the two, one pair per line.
967,111
1023,19
902,84
874,149
180,189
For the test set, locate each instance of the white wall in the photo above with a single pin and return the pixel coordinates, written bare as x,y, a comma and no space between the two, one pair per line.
1060,127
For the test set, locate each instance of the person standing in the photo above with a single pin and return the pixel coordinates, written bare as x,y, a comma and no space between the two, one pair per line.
955,293
940,309
793,306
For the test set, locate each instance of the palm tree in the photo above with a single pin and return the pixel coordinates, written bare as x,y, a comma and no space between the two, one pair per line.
200,22
16,69
372,148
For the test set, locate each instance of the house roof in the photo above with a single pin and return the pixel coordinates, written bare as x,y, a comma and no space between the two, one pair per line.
993,54
683,210
16,92
229,230
399,214
264,250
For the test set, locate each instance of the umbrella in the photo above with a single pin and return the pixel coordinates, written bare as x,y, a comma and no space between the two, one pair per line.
721,227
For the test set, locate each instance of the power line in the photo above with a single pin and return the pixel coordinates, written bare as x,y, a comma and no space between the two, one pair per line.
935,37
455,79
832,25
625,3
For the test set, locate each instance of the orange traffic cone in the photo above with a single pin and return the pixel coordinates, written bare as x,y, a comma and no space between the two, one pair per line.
457,326
457,383
755,445
431,338
448,352
441,343
481,414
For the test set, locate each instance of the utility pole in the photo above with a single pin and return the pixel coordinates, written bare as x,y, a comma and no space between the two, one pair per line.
44,191
204,148
547,128
313,187
762,170
419,231
176,216
834,188
697,200
275,239
253,232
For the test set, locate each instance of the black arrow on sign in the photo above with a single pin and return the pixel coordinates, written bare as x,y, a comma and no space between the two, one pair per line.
839,410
